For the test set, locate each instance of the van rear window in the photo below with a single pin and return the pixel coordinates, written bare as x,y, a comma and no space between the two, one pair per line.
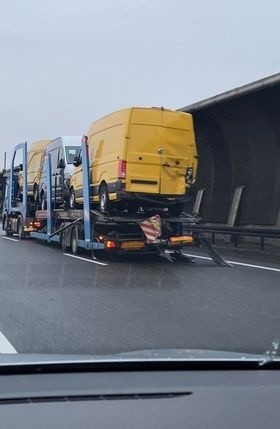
71,153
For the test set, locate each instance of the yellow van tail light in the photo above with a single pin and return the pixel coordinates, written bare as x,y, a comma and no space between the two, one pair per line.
122,169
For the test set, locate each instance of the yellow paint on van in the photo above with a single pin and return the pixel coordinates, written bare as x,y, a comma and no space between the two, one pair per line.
158,146
34,159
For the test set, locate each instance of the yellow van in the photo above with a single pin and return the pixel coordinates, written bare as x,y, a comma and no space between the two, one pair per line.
34,159
138,157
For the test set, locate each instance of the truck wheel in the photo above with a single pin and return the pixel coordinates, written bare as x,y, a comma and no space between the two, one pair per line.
20,228
104,201
74,241
5,227
72,199
63,241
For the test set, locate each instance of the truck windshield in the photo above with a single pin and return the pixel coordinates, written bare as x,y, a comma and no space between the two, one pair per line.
71,153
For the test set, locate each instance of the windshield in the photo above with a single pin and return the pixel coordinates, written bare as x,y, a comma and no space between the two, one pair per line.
163,237
71,153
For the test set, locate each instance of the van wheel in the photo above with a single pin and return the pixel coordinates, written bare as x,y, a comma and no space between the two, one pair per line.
104,201
35,193
20,229
72,199
43,201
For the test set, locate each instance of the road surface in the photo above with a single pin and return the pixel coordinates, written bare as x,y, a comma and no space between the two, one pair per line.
51,302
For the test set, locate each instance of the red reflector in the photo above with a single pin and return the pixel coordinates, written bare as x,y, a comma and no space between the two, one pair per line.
110,244
84,139
122,169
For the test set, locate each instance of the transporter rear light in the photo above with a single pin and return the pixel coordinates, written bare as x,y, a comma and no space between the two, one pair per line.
84,139
122,169
181,240
110,244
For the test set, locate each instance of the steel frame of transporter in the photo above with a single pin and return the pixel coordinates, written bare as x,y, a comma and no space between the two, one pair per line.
89,229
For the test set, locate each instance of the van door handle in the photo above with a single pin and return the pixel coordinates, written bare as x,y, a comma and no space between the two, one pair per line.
166,165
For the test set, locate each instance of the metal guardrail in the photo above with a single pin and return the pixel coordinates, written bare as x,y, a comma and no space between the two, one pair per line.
235,232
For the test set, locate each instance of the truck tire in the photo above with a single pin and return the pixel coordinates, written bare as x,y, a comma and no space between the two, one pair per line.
104,201
74,241
20,228
63,241
5,227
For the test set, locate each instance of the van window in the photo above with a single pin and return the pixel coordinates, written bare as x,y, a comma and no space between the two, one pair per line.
71,153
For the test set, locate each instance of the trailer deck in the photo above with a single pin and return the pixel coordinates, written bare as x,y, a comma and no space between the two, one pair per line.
88,228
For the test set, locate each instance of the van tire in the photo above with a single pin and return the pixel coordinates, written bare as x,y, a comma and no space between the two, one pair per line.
72,199
104,201
43,201
35,193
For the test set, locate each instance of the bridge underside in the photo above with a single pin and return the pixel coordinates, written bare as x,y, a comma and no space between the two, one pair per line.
238,139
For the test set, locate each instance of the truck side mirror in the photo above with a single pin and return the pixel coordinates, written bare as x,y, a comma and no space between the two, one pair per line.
61,163
77,161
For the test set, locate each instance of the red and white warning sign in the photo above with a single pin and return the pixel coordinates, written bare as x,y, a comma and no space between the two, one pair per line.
151,228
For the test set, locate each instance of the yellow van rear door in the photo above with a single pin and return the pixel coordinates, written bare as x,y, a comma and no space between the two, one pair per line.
174,160
143,159
158,152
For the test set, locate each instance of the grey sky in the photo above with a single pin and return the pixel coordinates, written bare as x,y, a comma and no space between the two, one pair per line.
64,63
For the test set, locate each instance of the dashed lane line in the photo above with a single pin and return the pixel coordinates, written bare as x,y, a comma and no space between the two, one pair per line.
10,238
85,259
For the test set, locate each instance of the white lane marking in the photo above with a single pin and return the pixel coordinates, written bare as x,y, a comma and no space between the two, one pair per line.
243,264
10,238
5,345
85,259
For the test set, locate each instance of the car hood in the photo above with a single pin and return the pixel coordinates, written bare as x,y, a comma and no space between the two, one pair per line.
155,355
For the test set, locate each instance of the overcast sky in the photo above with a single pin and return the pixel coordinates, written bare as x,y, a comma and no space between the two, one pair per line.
65,63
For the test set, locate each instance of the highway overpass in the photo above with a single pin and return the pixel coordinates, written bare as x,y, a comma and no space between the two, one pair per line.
238,138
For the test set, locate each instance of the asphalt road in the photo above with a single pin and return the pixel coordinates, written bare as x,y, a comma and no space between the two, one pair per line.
53,303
